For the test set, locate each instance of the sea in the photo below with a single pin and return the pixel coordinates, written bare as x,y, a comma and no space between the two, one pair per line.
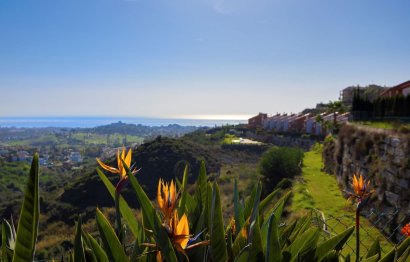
89,122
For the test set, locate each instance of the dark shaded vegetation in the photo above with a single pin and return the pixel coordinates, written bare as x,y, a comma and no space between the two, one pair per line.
364,108
161,158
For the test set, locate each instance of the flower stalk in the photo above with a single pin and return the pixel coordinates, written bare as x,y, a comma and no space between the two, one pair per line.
122,160
361,196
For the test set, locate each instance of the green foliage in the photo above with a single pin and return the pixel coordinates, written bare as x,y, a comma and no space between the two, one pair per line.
280,162
28,222
260,236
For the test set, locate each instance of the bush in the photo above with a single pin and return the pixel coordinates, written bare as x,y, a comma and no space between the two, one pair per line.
280,162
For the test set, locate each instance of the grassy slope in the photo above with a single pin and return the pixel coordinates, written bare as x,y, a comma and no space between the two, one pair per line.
319,190
382,125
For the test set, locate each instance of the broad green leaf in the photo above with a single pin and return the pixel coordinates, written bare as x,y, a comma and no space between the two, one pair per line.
208,206
200,199
97,249
243,255
303,224
182,201
404,256
255,241
138,249
79,254
268,201
28,221
10,234
334,243
88,251
110,240
396,252
374,258
250,202
286,233
403,247
254,237
125,210
389,257
201,185
4,235
277,209
374,249
304,243
273,248
152,219
238,209
241,240
218,244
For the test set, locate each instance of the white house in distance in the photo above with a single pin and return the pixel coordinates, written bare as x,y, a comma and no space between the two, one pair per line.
301,123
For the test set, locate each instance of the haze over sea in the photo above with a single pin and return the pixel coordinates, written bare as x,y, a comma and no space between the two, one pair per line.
88,122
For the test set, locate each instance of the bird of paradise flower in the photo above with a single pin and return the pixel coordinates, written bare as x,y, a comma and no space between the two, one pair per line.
177,228
361,193
123,158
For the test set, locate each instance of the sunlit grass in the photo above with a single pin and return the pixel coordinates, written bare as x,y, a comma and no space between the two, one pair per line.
319,190
382,124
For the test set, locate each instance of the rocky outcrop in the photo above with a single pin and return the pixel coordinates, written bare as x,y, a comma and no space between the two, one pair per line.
382,157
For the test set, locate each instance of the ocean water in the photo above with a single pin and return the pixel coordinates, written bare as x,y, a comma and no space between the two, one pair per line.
88,122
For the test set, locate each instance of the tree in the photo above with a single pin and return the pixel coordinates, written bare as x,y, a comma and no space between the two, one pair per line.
336,107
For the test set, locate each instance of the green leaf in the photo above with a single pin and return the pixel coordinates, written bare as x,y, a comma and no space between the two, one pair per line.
273,248
5,233
301,226
218,244
403,247
97,249
138,248
396,252
182,201
110,240
250,202
304,243
243,255
404,256
277,209
374,249
79,254
374,258
238,209
267,201
241,240
254,237
125,210
334,243
152,219
201,187
29,215
9,234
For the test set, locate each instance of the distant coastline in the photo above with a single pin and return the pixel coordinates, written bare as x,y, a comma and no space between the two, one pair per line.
89,122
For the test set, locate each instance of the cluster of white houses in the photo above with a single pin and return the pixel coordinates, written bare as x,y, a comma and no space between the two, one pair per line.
297,123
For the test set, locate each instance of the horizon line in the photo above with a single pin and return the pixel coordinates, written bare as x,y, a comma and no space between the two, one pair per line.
187,117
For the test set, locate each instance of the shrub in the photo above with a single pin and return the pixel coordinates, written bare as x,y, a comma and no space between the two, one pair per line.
280,162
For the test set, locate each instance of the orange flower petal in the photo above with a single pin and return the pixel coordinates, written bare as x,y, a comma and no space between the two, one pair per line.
108,168
160,200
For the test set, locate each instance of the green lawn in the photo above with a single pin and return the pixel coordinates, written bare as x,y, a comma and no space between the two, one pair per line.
319,190
382,125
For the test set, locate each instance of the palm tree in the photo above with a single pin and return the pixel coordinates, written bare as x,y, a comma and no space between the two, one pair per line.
336,107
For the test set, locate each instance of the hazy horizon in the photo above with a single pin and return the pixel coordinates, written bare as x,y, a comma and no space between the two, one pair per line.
199,58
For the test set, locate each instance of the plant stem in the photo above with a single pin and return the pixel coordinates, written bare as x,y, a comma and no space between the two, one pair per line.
118,226
357,234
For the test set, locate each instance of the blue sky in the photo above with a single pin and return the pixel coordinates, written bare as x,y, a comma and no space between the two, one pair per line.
162,58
